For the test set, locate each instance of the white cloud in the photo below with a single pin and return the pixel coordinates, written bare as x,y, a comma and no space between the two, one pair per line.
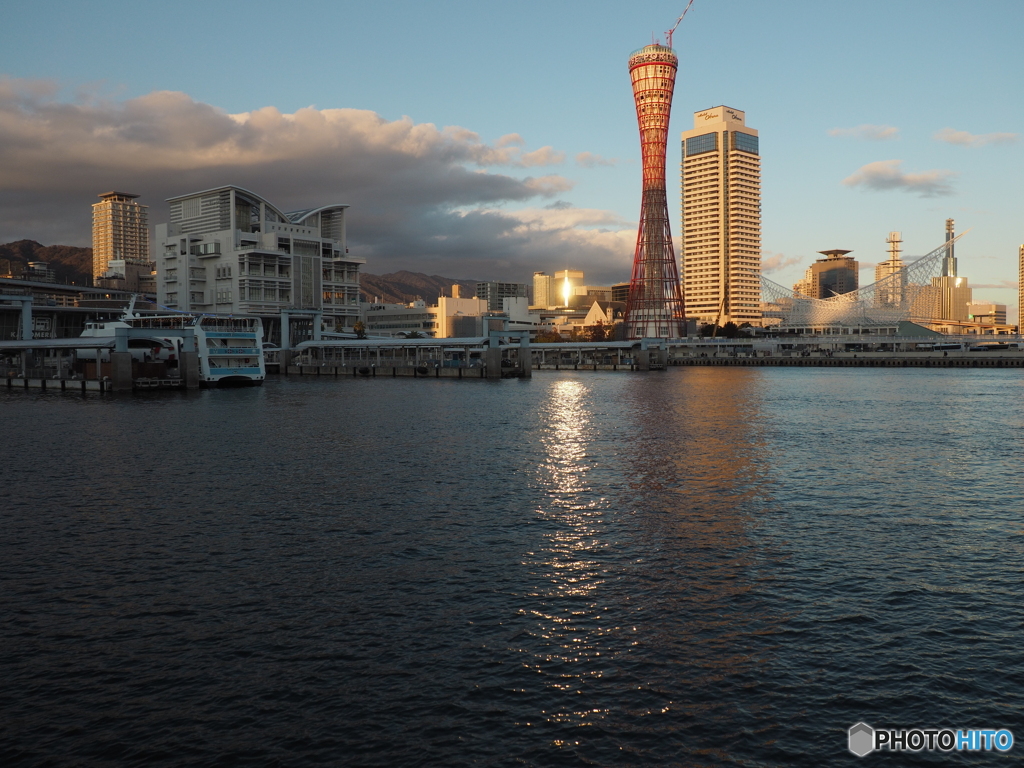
1002,284
777,261
590,160
542,156
884,175
867,132
423,198
963,138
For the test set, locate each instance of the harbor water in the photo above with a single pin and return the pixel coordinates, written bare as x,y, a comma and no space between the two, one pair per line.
695,567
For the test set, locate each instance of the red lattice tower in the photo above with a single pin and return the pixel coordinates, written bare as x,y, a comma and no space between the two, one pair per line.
655,305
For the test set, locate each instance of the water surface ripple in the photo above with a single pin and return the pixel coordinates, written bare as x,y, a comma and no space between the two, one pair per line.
698,567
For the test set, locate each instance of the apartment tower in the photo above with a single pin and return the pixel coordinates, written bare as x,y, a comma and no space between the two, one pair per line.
120,232
721,225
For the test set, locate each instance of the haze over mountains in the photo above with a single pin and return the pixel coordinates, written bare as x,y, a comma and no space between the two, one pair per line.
73,264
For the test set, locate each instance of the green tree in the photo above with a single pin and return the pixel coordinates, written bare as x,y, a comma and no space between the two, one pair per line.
360,328
597,332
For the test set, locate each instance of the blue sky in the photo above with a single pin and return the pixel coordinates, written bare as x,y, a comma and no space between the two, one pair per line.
554,74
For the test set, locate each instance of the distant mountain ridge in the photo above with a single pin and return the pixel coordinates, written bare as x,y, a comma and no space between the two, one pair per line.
403,287
70,263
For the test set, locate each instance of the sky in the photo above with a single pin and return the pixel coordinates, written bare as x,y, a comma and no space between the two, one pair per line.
487,140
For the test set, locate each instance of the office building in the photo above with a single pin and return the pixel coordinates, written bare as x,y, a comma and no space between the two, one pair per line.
383,319
836,274
986,313
493,293
542,290
951,291
227,250
564,286
120,233
721,194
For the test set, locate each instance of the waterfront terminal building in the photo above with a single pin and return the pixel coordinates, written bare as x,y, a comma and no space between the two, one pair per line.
227,250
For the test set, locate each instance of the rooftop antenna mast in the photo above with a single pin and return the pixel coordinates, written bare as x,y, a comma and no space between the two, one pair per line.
671,32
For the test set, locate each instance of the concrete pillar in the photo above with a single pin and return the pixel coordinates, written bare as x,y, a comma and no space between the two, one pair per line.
121,370
190,369
492,359
643,360
26,319
286,330
525,357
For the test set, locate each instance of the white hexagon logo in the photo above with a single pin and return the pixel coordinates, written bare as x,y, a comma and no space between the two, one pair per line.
862,739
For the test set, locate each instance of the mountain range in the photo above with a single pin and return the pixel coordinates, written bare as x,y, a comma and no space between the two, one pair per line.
70,263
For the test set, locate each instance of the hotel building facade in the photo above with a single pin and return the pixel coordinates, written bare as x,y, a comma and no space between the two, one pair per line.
721,218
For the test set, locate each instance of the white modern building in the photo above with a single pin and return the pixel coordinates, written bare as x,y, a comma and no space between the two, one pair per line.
227,250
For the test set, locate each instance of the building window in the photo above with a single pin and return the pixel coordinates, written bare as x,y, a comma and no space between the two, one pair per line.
706,143
205,249
744,142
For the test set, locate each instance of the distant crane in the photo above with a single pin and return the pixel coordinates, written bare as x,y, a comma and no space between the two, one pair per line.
672,31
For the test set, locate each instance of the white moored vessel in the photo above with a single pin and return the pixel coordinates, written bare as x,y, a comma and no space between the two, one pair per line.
230,348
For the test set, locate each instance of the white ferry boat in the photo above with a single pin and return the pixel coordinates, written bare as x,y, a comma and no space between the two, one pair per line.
230,348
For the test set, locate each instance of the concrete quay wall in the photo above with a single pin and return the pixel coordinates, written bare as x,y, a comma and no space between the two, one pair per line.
890,361
389,371
61,385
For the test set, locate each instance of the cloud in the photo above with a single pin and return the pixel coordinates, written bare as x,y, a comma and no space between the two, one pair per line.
963,138
542,156
884,175
867,132
777,261
423,198
1007,284
590,160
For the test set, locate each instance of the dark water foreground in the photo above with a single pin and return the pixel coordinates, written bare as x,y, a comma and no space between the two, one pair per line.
697,567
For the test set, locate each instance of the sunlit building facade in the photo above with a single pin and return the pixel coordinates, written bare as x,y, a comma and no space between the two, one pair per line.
834,275
120,233
721,218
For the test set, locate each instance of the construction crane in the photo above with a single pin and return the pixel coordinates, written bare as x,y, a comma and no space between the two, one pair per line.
669,34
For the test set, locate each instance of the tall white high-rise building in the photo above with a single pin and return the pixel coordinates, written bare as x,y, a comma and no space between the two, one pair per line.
1020,287
721,194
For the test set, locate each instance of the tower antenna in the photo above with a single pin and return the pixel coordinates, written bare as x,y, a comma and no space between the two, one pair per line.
672,31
